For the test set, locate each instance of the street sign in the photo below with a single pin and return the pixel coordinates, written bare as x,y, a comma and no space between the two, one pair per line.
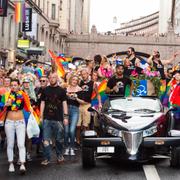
23,43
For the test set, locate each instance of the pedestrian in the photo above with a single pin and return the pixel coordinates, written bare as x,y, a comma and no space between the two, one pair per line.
28,87
4,88
38,90
73,91
54,112
15,124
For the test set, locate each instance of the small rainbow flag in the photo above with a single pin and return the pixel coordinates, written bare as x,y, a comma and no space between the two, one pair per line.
36,114
162,90
61,59
165,97
58,64
101,91
60,68
20,12
39,72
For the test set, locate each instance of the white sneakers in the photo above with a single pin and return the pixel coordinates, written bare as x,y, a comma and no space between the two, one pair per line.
66,153
11,167
69,152
22,168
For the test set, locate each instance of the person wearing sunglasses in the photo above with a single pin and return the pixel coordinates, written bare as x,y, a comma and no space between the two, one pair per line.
38,90
133,60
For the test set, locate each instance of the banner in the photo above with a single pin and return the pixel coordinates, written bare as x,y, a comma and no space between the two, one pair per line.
20,8
27,25
3,8
23,43
141,89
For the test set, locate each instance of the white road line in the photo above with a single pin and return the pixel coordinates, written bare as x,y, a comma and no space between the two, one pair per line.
151,172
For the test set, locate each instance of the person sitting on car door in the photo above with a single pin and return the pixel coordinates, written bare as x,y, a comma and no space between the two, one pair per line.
117,84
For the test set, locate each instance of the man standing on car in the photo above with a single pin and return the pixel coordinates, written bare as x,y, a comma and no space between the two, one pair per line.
54,113
119,83
85,94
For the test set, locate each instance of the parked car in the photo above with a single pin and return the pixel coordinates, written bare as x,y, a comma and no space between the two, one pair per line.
132,128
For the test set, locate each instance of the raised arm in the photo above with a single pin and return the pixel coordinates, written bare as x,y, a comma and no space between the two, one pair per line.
169,61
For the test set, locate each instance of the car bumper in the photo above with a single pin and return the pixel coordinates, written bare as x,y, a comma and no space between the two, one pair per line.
117,141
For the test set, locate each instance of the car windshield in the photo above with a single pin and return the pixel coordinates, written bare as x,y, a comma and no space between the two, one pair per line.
137,104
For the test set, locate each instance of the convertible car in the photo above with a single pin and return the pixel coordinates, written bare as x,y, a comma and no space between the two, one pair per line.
134,129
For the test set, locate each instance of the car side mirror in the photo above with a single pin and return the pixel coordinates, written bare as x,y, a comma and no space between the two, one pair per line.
91,109
172,109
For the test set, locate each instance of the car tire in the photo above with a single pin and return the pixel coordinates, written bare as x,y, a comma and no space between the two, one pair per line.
175,157
88,157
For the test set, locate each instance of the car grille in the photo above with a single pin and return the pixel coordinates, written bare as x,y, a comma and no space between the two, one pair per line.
132,141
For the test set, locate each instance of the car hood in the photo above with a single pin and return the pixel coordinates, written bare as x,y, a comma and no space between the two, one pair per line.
134,121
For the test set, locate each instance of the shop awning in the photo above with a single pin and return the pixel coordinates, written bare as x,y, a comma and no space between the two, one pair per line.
35,51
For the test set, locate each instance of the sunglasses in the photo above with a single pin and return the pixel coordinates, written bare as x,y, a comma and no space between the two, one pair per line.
42,80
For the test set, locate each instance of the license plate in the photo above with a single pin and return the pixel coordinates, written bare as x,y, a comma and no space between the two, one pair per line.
105,149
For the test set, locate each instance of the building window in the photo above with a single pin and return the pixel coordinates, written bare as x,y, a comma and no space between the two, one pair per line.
53,15
61,2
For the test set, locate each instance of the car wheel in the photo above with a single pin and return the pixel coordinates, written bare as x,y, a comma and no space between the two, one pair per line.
175,157
88,157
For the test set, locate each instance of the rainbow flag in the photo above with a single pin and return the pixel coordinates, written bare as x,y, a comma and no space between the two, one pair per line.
52,55
68,59
165,98
61,59
36,114
101,91
4,99
39,72
162,90
60,68
58,64
20,12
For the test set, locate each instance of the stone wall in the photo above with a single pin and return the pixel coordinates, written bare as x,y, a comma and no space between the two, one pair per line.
89,45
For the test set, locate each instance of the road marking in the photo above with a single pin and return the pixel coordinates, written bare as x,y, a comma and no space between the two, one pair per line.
151,172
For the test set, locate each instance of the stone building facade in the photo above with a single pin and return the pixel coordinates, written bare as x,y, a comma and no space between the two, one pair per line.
8,37
52,21
144,25
169,13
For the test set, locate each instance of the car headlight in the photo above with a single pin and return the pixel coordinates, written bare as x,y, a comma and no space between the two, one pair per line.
114,132
148,132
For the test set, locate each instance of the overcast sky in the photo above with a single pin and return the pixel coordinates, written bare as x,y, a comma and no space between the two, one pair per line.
103,11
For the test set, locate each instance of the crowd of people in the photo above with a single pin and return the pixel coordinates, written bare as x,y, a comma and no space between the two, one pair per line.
63,102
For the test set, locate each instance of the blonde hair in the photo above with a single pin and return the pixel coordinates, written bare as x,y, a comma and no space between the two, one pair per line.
71,78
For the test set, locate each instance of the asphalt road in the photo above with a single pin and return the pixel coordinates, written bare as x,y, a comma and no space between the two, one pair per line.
71,169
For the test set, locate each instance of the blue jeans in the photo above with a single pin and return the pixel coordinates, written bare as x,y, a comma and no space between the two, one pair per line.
70,129
52,128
